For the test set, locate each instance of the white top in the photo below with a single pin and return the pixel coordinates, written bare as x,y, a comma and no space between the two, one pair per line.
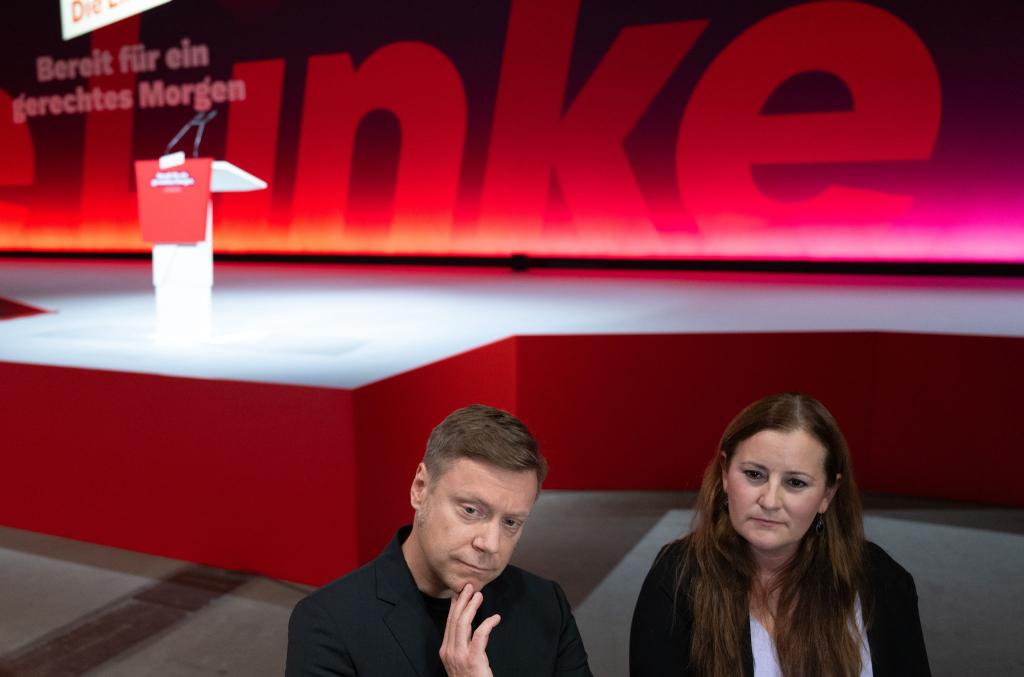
766,662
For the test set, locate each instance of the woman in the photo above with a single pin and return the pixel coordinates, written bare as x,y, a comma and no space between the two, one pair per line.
776,577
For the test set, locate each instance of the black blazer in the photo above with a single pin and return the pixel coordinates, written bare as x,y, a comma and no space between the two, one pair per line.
659,642
373,622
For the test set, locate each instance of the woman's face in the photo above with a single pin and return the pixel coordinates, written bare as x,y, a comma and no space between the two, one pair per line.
776,485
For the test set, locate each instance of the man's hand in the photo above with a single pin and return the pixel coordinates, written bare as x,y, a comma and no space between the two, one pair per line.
463,652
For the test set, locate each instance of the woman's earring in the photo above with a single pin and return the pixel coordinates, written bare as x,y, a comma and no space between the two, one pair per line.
819,524
725,504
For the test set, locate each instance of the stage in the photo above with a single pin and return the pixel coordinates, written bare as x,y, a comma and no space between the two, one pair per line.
285,443
348,326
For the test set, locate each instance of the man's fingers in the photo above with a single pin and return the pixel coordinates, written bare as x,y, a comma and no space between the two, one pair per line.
464,629
463,651
483,633
472,606
455,610
451,623
458,629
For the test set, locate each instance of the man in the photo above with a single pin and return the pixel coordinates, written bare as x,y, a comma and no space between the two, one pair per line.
441,598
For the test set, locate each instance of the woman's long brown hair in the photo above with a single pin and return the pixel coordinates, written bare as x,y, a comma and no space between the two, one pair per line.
815,632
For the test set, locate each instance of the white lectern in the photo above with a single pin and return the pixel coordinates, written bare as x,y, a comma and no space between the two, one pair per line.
176,215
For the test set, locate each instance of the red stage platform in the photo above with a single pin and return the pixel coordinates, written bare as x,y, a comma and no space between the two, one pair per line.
293,455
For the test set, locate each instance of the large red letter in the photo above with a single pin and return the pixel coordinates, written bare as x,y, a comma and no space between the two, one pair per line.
421,87
109,216
531,137
243,219
895,116
16,169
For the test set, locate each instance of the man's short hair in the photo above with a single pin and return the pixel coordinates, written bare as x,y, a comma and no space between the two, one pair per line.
485,434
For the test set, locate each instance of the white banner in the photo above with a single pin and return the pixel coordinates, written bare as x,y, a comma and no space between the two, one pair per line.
78,17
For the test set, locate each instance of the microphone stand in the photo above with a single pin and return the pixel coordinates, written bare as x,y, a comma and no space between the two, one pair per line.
199,121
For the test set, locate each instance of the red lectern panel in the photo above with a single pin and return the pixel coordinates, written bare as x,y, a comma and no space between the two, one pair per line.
172,201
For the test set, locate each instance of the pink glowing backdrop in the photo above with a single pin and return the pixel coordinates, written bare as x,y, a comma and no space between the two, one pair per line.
824,130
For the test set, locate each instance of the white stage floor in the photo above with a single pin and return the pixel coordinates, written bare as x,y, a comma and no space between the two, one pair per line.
345,326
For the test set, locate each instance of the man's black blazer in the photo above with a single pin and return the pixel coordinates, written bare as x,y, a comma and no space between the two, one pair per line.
374,622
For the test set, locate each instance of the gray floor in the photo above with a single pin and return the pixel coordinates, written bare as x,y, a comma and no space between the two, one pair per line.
62,603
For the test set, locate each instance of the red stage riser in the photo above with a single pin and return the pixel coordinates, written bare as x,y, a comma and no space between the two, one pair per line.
947,417
924,415
305,483
239,475
646,412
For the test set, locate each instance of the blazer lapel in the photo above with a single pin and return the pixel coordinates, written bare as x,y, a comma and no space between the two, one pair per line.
414,632
748,651
407,619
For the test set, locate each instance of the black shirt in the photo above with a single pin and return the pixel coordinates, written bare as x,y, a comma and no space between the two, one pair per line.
437,609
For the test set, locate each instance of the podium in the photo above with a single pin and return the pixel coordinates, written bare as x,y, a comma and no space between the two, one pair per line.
176,217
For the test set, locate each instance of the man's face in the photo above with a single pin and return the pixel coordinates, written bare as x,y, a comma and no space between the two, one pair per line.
468,522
